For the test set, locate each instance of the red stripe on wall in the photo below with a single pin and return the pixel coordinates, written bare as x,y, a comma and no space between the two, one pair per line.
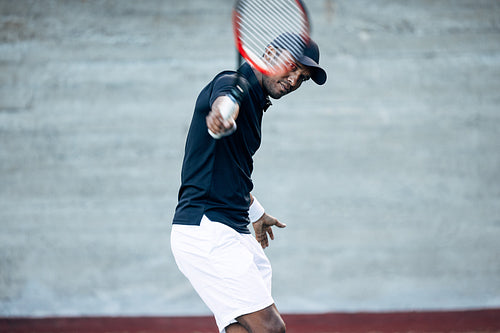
432,321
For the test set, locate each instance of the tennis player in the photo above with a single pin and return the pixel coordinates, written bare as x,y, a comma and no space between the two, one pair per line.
211,242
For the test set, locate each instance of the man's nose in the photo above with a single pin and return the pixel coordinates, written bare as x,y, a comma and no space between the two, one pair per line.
293,79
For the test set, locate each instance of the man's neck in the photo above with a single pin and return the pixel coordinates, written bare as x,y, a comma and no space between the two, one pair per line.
259,77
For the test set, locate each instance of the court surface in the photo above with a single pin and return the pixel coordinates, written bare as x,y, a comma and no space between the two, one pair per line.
388,322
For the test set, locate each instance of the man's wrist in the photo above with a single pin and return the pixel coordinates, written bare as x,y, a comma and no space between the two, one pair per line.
256,211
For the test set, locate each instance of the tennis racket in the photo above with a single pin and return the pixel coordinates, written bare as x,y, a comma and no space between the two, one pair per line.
270,35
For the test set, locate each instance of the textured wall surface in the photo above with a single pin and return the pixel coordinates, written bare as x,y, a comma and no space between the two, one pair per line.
388,176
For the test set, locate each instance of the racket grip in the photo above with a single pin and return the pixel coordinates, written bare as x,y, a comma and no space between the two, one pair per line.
227,110
228,107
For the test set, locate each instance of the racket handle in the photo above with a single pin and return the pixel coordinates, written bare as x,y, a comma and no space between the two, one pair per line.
227,109
228,106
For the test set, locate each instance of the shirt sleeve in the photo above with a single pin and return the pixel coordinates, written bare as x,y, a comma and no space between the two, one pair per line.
223,85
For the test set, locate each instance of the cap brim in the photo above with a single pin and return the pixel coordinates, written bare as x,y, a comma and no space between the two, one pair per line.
318,74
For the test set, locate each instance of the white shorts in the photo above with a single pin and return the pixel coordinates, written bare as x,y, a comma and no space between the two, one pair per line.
229,270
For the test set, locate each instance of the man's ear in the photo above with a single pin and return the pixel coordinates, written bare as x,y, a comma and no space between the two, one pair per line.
270,53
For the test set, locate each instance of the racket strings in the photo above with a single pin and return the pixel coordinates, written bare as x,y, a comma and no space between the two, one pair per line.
254,32
266,23
280,23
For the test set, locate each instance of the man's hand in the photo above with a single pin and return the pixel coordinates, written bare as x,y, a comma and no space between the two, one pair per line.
263,226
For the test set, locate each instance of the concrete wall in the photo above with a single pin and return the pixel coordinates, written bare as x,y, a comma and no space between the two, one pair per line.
388,176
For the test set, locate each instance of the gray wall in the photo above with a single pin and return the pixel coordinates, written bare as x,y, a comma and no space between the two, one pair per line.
388,176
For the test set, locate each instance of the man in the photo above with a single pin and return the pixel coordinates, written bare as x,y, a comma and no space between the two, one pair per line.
210,239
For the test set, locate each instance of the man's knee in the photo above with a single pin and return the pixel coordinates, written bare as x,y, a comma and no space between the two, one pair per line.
271,328
274,323
278,326
267,320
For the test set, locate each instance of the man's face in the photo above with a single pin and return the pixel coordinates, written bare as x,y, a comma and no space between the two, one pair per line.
290,80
